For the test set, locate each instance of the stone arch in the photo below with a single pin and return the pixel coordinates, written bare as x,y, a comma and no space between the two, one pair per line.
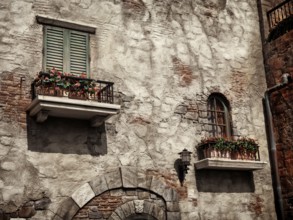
146,209
126,178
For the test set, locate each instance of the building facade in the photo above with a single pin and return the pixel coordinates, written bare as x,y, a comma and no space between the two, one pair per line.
183,71
277,35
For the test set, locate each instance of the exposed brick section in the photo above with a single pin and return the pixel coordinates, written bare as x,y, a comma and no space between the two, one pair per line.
279,60
14,97
183,70
172,181
256,206
102,206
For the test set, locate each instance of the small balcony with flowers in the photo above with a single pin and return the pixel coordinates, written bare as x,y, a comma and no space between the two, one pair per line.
220,153
69,96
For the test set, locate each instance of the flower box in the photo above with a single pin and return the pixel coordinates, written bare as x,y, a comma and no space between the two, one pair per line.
220,153
240,149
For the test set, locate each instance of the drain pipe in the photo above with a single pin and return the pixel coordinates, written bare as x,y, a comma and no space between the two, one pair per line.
286,79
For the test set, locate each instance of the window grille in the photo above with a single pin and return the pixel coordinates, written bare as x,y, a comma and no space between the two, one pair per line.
219,117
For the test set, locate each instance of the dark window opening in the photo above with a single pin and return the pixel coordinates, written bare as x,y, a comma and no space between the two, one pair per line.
219,116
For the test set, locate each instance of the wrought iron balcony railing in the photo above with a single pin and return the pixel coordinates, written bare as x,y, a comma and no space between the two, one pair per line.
61,95
73,87
280,13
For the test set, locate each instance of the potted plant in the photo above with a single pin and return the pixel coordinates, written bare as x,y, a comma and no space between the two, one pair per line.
57,84
224,147
219,147
247,147
214,147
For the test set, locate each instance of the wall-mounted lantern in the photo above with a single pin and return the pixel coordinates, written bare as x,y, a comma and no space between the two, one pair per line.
185,157
181,165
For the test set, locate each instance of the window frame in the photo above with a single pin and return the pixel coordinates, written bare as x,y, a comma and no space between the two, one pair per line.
212,105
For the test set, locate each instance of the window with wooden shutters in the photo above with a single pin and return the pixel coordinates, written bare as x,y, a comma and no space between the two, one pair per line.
219,116
67,50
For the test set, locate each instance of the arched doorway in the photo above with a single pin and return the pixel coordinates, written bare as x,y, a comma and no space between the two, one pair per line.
140,217
126,180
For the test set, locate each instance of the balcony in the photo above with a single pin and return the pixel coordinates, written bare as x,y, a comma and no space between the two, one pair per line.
66,96
280,19
222,154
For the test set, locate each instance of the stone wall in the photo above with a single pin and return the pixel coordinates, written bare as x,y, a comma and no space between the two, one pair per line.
165,58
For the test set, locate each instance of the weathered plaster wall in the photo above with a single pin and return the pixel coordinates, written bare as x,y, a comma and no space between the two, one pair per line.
166,58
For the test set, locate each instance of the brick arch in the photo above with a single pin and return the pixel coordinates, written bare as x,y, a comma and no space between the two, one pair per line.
122,177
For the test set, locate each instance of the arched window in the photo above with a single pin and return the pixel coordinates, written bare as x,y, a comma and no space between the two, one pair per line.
219,116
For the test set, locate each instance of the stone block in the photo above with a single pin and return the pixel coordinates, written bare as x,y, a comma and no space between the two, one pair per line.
67,210
131,206
120,213
168,194
131,193
143,180
173,207
160,203
186,206
181,109
143,195
158,212
99,185
173,216
114,216
129,177
147,207
42,204
56,217
83,195
8,166
26,212
191,115
159,187
113,179
117,192
95,215
126,209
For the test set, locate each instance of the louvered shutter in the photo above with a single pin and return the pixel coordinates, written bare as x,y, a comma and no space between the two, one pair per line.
78,49
54,48
66,50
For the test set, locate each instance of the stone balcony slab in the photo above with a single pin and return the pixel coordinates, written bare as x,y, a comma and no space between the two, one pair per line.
227,164
43,106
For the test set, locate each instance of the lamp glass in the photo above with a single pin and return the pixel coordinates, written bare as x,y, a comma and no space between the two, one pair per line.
185,156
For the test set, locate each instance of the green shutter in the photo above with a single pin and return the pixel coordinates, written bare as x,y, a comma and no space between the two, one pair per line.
54,48
66,50
78,49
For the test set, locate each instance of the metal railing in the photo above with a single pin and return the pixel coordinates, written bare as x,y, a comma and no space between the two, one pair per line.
279,13
73,87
